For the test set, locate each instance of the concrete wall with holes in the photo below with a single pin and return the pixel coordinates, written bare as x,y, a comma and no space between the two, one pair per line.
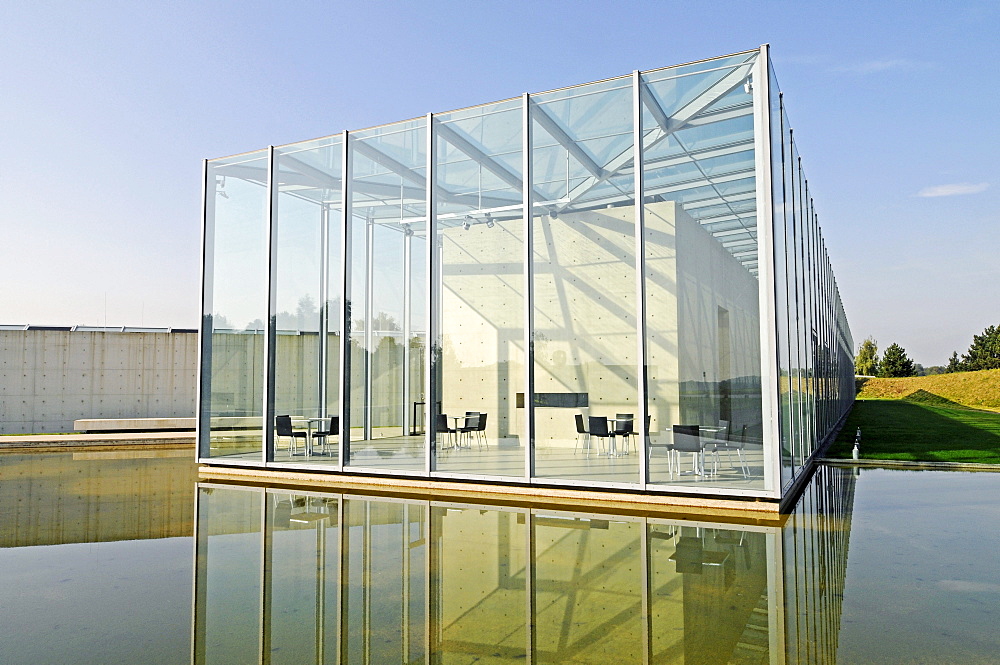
702,321
49,378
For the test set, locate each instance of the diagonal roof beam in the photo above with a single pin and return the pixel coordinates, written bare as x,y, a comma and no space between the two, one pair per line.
666,125
400,169
321,177
379,157
683,115
490,164
566,141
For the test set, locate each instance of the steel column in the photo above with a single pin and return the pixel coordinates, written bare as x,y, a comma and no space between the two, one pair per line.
344,376
203,425
431,303
324,307
529,291
267,439
642,378
769,372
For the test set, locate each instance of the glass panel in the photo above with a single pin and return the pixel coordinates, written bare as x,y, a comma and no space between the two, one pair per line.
304,577
802,332
584,282
702,312
235,306
308,285
810,340
791,258
227,608
480,244
588,590
388,276
478,586
709,600
385,550
780,196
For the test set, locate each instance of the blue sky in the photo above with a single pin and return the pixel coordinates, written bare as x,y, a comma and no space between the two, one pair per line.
108,108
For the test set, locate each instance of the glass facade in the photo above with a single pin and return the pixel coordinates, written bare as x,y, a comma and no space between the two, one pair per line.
621,284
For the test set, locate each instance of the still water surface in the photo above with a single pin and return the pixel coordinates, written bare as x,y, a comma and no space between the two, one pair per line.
120,557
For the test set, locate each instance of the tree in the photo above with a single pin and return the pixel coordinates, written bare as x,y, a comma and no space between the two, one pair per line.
895,362
984,352
866,362
954,364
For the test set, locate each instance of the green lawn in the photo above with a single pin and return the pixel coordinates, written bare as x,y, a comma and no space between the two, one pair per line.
922,428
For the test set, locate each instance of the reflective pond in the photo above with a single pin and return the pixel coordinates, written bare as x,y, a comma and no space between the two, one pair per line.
122,557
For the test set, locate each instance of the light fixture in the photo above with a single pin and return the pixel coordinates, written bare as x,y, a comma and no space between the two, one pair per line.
467,223
489,221
748,86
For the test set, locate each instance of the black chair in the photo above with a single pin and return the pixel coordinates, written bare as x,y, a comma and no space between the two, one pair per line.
441,425
581,431
283,426
687,439
623,428
470,425
624,416
326,434
598,426
481,431
737,445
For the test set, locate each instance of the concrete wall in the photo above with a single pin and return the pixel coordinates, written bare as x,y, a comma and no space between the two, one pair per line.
702,322
49,378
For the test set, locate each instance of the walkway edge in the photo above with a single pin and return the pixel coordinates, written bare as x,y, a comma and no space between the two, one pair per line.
129,440
908,464
660,505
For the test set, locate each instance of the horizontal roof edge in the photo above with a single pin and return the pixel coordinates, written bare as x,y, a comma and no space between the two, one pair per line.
496,101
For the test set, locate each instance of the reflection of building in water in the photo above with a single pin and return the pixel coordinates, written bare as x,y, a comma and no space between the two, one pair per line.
299,577
90,496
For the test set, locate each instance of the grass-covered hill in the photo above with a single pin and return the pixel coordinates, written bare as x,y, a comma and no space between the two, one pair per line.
941,418
979,390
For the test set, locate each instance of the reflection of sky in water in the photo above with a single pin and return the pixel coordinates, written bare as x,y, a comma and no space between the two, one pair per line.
113,583
922,580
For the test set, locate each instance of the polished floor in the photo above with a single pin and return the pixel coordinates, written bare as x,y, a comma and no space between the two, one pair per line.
577,462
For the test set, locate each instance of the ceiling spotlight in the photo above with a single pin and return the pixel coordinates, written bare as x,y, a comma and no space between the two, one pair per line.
407,229
466,223
748,86
489,221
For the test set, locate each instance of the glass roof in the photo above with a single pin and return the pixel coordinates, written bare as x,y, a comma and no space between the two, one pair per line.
698,151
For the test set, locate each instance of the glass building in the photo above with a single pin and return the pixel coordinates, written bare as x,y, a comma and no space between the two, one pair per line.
639,256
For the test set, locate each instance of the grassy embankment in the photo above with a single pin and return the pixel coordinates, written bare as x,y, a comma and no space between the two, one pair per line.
940,418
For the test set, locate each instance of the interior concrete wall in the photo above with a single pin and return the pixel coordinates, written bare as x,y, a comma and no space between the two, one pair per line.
49,378
585,329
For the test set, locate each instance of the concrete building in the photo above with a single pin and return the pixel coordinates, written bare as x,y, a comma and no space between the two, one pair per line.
639,255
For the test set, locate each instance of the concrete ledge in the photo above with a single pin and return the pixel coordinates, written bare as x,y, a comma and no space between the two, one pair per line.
132,424
907,464
139,439
755,512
